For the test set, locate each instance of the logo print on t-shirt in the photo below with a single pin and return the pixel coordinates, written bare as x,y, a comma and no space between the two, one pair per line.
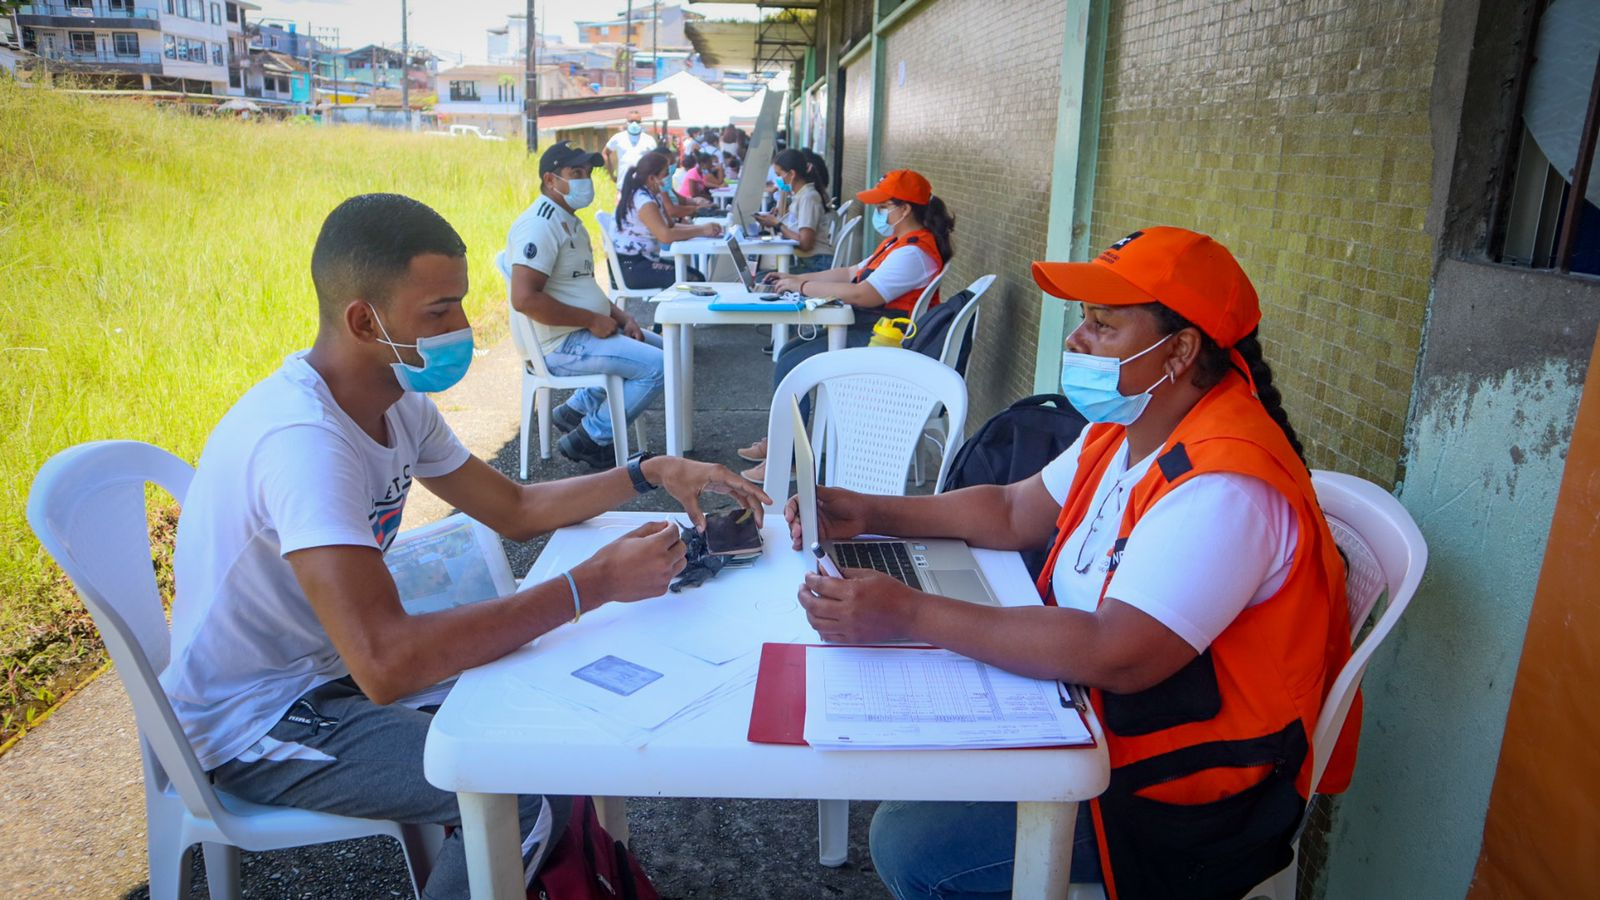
385,515
530,251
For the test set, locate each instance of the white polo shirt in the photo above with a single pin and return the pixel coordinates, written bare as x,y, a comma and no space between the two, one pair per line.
548,239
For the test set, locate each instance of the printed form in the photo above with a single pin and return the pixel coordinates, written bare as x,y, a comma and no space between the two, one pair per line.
876,698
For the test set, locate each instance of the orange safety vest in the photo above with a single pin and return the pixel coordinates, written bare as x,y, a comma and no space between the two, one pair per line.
923,240
1210,768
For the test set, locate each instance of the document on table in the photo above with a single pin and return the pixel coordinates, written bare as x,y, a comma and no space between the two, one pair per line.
883,698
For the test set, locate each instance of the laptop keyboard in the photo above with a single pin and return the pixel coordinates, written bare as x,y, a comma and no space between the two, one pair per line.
889,557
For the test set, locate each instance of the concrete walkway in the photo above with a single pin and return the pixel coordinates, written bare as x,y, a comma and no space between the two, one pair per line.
71,791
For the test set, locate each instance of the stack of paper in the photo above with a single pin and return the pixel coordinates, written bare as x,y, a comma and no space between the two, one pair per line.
890,698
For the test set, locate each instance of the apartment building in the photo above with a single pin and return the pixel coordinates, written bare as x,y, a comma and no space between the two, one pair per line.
170,45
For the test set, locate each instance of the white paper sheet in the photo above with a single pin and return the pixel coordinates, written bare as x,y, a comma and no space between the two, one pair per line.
888,698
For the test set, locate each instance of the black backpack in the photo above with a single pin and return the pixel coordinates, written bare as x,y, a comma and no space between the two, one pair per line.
1015,445
929,337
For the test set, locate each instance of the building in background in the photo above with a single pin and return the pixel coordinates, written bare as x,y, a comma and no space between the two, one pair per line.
181,46
490,98
657,23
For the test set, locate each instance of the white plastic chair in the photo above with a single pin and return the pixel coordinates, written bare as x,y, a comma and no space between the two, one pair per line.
88,508
845,250
537,383
962,328
872,403
926,297
841,217
620,290
1385,554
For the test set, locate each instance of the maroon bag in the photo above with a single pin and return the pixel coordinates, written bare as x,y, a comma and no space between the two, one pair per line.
587,864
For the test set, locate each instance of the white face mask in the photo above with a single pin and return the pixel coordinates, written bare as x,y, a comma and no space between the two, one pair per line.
580,193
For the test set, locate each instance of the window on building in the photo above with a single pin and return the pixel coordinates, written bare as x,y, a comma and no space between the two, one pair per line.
506,92
464,91
216,54
125,43
121,5
172,7
234,80
30,39
216,14
81,41
1543,223
80,4
233,13
197,10
169,46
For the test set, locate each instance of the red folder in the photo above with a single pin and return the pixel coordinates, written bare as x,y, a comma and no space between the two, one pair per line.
778,715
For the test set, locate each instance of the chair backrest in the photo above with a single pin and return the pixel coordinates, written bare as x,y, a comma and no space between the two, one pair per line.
522,333
871,407
608,237
927,295
965,324
87,507
844,249
1386,554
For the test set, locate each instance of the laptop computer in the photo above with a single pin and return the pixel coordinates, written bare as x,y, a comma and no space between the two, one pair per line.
937,565
741,266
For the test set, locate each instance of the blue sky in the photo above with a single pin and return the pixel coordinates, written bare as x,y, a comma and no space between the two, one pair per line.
454,29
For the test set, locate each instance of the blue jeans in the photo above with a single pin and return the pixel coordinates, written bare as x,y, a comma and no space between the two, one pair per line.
946,851
638,362
817,262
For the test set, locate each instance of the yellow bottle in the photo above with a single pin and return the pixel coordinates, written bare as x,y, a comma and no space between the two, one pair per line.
890,332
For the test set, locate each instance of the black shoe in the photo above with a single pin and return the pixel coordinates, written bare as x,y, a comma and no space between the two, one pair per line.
565,418
577,446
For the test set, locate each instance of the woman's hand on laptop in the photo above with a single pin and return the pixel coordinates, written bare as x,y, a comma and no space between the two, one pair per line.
863,607
841,514
686,480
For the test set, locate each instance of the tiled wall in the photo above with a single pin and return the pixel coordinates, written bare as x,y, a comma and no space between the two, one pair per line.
857,125
1297,133
976,113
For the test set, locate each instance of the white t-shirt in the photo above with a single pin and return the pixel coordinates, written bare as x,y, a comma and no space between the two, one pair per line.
1172,568
904,269
629,149
286,469
548,239
633,236
805,211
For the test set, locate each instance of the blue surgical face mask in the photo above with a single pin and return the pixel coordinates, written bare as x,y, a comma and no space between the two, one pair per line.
634,128
880,221
782,185
580,193
1090,382
445,358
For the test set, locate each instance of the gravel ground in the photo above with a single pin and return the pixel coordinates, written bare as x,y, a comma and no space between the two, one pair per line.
707,848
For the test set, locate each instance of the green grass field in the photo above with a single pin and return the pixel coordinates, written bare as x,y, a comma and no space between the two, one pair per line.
154,265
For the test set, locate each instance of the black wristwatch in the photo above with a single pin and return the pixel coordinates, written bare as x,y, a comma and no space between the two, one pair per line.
641,484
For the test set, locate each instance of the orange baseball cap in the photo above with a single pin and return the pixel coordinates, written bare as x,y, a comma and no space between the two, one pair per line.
901,184
1183,270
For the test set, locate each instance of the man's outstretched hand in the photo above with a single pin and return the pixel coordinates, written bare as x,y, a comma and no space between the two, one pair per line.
686,480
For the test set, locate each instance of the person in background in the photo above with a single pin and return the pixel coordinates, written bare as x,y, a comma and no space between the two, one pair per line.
643,226
550,267
296,673
801,178
699,179
691,145
1192,585
671,200
627,147
916,247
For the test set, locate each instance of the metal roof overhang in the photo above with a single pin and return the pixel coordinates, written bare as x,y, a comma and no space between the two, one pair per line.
761,45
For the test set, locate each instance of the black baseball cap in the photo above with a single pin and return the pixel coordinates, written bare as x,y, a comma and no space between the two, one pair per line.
562,154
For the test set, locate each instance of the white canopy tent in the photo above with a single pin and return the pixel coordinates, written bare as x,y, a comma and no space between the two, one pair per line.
698,103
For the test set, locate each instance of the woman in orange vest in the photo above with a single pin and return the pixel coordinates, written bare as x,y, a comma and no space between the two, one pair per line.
1192,585
916,227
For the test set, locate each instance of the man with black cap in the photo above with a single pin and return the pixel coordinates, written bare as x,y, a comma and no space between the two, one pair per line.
550,266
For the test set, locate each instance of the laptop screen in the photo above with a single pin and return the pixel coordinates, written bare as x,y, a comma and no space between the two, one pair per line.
740,265
805,476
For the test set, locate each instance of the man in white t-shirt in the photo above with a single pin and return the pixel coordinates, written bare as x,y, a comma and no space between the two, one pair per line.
627,147
550,267
291,654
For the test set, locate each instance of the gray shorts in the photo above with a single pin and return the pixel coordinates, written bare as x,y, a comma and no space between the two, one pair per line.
336,751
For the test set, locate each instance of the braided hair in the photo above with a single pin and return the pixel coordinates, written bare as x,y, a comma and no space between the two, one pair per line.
1214,362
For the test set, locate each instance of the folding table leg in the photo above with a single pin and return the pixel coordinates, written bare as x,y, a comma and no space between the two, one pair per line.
671,360
833,832
686,382
1044,849
490,835
680,267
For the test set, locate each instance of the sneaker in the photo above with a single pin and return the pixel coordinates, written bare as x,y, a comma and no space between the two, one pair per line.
756,452
565,418
577,446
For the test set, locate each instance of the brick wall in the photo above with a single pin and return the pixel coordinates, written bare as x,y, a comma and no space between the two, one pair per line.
1297,133
857,125
977,116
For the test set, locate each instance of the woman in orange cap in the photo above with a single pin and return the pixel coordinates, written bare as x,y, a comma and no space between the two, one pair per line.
1192,585
916,226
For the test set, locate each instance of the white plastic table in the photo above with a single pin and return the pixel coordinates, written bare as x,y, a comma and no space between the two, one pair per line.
675,309
497,736
724,195
781,250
